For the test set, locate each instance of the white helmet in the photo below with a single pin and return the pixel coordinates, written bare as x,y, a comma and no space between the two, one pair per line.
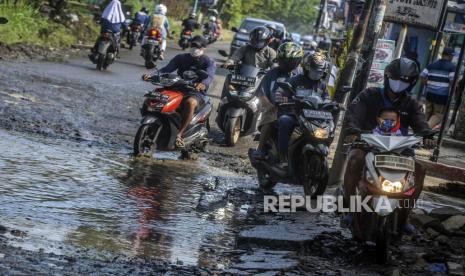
212,18
161,9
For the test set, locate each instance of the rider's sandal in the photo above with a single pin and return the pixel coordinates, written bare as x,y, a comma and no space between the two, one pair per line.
179,143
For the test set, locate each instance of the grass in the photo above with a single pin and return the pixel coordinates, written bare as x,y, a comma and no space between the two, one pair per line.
27,25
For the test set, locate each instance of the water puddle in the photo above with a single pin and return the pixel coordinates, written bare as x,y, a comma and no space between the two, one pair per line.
62,195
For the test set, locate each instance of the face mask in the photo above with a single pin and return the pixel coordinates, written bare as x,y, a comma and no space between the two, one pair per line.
398,86
196,52
314,75
387,125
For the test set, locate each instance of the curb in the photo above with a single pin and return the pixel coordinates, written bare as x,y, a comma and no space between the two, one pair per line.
450,173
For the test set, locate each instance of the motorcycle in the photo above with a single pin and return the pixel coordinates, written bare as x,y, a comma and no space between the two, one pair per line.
126,26
106,51
184,40
133,34
308,146
151,48
210,36
161,113
389,172
238,113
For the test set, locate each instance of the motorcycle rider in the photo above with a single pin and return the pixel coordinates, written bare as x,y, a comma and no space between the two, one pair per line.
190,24
289,57
400,76
256,53
159,21
141,16
277,36
210,27
195,60
111,20
315,67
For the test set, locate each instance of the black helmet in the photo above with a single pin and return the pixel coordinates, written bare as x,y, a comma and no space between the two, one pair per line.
271,27
144,9
315,65
192,15
402,69
289,56
259,37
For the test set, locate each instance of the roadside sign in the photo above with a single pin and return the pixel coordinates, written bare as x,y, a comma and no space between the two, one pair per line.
455,28
384,54
426,13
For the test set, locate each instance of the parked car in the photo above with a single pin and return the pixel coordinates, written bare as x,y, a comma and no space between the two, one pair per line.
241,37
296,38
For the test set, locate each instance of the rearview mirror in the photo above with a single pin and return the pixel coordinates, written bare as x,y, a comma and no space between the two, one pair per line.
223,53
3,20
234,29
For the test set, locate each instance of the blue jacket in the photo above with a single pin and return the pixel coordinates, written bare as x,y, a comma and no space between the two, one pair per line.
185,62
439,75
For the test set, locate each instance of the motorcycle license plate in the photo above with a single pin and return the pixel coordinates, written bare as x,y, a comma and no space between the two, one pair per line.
316,114
152,41
243,80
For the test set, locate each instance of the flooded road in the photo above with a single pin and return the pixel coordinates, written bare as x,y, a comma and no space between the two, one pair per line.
61,195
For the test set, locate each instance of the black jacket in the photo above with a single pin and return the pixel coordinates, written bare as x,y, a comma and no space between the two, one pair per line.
362,113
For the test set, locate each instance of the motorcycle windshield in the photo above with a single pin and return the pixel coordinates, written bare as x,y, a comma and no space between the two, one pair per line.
390,143
249,71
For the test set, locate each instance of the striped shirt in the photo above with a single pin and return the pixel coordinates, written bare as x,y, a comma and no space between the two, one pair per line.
439,75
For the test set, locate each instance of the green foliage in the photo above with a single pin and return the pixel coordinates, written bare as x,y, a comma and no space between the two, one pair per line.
27,25
297,15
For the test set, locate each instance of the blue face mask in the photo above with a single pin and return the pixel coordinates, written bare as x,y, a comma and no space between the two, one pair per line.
387,125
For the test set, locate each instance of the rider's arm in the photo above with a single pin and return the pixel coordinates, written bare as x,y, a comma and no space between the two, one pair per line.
357,112
172,66
263,93
238,54
417,119
271,57
211,70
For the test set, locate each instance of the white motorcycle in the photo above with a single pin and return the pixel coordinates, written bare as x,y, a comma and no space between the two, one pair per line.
389,180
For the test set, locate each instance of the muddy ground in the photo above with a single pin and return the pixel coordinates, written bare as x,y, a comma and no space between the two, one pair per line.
73,109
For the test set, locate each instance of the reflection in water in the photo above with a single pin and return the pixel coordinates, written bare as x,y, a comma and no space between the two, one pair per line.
67,195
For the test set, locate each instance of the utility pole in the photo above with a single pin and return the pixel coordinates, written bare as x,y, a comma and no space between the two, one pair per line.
320,16
369,46
346,80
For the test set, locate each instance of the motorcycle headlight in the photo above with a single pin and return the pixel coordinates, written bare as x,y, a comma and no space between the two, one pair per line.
321,133
392,187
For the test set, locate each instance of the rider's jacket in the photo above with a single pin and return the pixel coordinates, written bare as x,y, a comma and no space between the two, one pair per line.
362,112
185,62
189,24
262,59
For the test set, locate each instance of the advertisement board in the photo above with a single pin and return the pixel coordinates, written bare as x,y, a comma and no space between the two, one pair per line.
418,13
383,56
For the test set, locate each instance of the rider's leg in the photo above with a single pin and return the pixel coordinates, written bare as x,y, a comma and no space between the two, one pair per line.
286,124
265,132
353,172
190,105
163,48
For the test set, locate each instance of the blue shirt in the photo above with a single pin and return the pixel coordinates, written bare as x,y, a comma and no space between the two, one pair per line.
184,62
268,85
439,75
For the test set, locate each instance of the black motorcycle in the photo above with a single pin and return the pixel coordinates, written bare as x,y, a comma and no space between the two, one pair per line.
151,49
106,50
185,39
238,113
162,110
308,146
133,34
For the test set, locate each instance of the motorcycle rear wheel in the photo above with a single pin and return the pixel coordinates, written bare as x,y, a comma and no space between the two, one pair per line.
144,145
232,131
101,62
314,177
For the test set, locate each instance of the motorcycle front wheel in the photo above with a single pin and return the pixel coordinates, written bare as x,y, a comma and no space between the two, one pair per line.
144,142
232,131
314,176
383,239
